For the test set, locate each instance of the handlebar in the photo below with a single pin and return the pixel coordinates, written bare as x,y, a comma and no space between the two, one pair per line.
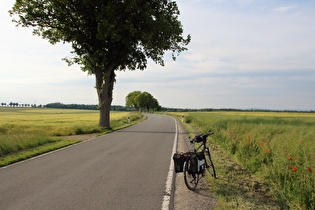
201,137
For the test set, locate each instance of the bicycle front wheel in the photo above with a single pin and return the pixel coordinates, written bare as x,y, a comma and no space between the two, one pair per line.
191,179
209,164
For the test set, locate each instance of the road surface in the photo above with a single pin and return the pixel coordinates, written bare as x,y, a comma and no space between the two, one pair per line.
126,169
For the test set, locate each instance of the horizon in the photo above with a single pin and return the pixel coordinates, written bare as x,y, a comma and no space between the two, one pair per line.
198,109
243,54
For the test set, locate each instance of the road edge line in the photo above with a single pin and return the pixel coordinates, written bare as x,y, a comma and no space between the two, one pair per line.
170,175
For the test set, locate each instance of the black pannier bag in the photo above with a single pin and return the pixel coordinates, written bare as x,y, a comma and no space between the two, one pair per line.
201,161
193,163
179,160
200,155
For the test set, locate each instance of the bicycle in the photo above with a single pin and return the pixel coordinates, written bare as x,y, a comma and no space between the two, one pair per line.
196,163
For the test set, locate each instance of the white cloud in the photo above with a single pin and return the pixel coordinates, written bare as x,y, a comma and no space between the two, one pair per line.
284,8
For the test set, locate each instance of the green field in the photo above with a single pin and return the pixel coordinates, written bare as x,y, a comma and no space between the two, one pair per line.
25,132
275,147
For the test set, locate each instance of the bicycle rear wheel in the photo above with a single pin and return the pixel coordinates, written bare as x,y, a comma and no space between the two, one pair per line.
191,179
209,164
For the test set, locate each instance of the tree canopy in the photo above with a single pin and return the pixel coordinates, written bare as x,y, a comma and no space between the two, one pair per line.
131,99
142,101
107,36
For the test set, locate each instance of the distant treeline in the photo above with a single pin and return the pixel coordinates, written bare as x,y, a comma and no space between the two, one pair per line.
229,110
196,110
84,106
130,109
15,104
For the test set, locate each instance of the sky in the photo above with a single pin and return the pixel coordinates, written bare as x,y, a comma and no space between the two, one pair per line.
243,54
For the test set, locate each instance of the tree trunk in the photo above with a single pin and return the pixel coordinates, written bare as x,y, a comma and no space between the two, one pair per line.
105,85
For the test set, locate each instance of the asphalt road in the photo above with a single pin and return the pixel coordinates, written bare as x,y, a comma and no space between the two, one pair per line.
126,169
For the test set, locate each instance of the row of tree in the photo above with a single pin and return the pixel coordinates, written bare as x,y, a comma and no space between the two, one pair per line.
142,101
14,104
131,108
164,109
58,105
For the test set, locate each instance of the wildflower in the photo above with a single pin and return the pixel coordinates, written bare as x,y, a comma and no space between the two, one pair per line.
287,154
294,168
267,151
290,158
295,158
309,170
300,142
288,167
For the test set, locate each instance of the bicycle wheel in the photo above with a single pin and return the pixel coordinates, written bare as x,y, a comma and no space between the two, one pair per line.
209,164
191,179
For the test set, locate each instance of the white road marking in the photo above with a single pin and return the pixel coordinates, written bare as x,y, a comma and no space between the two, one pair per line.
170,175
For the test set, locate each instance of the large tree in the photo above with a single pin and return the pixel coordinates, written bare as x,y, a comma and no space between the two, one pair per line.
132,100
146,101
107,35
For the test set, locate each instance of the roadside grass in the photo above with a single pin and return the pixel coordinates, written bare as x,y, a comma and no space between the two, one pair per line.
236,187
32,152
26,132
263,159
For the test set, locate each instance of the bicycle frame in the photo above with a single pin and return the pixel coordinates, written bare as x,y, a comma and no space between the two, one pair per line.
203,149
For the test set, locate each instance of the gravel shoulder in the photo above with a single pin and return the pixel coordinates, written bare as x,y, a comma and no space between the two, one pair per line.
184,198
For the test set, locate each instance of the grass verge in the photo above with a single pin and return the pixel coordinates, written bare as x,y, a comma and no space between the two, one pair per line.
28,153
236,187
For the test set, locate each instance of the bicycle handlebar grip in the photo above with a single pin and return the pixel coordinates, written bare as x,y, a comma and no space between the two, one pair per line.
210,133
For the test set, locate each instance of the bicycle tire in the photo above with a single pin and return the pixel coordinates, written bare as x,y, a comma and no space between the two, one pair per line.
209,164
191,179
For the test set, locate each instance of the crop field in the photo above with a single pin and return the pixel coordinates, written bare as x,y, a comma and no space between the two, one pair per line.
22,129
278,147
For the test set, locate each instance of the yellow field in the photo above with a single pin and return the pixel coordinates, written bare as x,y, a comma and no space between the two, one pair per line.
50,121
26,128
